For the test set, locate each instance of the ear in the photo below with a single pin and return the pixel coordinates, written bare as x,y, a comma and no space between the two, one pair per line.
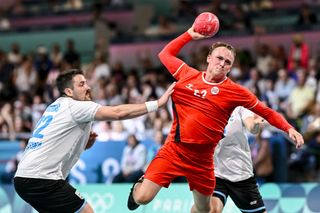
68,92
208,58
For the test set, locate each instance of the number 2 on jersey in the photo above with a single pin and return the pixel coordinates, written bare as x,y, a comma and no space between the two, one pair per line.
42,124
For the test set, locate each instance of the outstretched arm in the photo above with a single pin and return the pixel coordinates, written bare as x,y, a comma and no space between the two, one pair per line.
127,111
168,54
277,120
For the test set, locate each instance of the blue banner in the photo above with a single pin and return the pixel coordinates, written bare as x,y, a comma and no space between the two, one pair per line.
99,164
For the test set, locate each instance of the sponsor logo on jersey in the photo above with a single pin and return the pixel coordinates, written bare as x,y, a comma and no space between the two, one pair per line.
33,145
53,108
214,90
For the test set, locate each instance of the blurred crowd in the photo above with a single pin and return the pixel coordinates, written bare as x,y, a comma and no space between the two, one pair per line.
286,80
237,16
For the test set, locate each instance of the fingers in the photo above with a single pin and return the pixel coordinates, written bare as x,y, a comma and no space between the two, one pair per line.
172,85
93,135
298,139
170,88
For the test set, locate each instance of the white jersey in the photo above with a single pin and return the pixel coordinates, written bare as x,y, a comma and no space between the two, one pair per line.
232,155
58,139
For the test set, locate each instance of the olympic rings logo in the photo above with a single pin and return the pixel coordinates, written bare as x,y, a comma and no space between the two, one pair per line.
100,202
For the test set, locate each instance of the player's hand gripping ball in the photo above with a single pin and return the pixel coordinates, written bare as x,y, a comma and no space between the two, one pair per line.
206,24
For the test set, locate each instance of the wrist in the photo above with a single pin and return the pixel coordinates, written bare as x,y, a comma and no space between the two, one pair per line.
152,106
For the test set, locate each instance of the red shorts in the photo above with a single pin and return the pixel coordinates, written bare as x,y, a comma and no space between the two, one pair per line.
194,161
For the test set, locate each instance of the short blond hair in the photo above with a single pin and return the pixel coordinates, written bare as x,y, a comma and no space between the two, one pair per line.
222,44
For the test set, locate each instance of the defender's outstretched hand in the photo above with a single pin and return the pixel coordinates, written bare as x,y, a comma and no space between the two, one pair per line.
165,97
296,137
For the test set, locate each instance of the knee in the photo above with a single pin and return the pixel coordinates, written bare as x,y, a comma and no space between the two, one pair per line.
200,209
142,199
215,209
87,209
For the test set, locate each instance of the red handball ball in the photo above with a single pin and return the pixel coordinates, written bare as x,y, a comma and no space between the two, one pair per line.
206,24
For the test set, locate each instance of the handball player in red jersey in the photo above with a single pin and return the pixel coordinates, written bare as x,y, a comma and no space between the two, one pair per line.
202,105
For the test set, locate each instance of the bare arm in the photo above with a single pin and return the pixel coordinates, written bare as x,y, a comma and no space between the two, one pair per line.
127,111
253,123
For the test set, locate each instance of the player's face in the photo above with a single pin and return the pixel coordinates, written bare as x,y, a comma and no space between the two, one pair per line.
81,90
219,63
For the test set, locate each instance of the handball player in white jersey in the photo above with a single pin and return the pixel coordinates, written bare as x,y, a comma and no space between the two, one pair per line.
233,165
60,136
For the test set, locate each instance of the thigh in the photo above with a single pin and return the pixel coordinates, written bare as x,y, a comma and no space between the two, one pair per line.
203,181
146,190
220,191
162,171
201,201
49,195
245,194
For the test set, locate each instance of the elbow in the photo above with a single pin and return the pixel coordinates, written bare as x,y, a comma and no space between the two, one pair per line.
161,55
120,115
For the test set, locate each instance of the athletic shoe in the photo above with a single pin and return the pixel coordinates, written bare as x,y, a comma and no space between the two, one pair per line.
131,204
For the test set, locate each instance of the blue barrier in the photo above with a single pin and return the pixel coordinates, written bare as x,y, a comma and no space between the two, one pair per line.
278,198
8,150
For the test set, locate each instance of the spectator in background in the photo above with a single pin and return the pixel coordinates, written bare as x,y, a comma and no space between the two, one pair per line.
166,119
255,81
269,96
133,161
185,10
241,22
23,109
221,9
19,8
7,129
101,68
118,132
43,66
283,88
112,94
301,98
4,21
7,89
118,73
264,58
298,54
14,56
306,16
73,5
71,56
163,27
305,163
56,55
25,75
280,57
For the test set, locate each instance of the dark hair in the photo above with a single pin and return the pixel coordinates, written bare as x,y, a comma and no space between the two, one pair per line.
222,44
64,80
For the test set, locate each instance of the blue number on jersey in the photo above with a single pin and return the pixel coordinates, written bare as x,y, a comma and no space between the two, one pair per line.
42,123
